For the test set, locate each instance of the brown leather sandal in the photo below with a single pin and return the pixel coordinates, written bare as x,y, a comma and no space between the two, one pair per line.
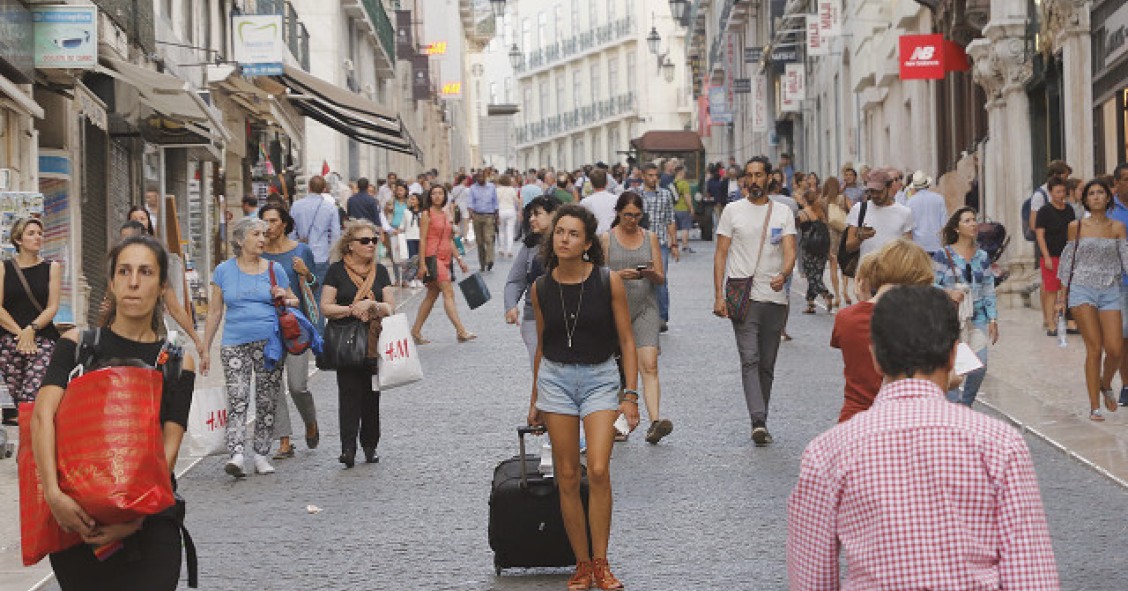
602,578
581,579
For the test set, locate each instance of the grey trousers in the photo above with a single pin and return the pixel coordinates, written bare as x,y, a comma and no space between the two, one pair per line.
297,381
757,341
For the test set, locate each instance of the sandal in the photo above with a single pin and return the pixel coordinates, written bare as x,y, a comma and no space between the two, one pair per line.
418,338
602,578
810,308
1096,415
285,454
581,579
1110,399
466,336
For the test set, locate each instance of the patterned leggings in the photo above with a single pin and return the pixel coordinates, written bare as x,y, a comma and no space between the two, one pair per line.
813,267
239,361
23,372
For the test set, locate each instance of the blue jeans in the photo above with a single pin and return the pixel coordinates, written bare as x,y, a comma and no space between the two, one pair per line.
664,290
972,382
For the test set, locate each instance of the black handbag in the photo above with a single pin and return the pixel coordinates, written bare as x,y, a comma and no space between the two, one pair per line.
848,260
345,345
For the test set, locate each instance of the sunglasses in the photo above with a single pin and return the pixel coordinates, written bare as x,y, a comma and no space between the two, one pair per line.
633,216
366,240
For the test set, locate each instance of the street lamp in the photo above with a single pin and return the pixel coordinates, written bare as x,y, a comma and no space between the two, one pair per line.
498,7
653,40
668,70
515,57
677,9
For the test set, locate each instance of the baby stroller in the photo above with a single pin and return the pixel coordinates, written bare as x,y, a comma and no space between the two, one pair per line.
994,240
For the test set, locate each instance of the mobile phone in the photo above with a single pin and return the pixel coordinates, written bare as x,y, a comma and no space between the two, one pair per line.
641,268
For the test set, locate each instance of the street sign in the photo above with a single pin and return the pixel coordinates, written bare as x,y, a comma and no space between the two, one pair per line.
753,55
742,86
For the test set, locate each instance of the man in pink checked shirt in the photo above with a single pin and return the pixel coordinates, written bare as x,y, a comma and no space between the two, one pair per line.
917,492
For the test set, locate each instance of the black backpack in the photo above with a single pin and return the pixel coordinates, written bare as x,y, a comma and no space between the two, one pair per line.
816,239
1028,232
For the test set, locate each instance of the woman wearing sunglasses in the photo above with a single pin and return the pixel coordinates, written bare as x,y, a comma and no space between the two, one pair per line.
964,271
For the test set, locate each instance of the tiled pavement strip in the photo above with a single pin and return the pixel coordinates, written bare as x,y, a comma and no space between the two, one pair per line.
16,577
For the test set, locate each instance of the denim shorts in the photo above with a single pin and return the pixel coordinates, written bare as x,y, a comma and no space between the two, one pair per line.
577,389
1104,300
683,220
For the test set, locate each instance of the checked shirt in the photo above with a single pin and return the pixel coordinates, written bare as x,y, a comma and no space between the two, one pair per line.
918,493
658,205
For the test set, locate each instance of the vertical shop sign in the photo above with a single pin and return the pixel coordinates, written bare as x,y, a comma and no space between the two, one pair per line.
794,87
830,17
759,106
420,77
719,111
405,42
816,43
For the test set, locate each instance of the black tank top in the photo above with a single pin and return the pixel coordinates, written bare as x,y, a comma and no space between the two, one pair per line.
594,339
16,301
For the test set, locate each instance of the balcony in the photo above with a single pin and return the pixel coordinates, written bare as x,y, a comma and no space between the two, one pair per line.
578,119
374,19
583,43
478,21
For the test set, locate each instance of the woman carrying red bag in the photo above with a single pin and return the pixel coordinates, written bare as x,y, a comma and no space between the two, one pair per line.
150,556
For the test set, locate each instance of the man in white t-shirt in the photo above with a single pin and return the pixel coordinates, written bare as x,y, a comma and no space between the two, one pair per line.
744,252
601,202
885,219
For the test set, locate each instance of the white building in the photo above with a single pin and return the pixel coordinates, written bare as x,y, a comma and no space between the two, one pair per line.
588,83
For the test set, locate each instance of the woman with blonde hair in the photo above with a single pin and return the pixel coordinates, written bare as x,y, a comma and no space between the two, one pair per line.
900,262
508,203
837,208
357,289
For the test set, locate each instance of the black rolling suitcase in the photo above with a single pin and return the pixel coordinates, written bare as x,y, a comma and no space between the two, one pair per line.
526,528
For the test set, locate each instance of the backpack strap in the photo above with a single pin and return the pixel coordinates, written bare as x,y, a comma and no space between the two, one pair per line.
88,340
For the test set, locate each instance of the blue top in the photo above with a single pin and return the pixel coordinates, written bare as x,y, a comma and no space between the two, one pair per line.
981,280
250,311
1119,213
286,261
530,192
397,213
316,223
483,198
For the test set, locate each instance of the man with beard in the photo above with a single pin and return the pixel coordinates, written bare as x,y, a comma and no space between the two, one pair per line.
885,220
756,249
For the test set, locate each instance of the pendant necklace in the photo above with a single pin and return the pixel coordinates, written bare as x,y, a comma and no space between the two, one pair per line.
575,316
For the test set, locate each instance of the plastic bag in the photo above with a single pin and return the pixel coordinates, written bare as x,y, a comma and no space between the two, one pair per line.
399,359
207,423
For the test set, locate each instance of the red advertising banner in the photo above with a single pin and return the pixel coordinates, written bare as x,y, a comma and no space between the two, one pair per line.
930,57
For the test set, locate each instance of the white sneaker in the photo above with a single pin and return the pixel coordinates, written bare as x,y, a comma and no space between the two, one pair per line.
262,466
234,466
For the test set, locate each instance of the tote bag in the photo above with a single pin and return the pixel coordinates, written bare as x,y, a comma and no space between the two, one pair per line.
399,359
207,423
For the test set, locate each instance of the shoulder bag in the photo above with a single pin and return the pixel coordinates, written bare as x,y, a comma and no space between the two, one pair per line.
835,216
738,292
294,338
848,260
346,341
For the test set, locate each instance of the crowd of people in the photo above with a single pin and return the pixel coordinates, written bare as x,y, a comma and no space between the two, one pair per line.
589,262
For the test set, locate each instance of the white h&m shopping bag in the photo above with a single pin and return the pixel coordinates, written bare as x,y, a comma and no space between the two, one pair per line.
399,358
207,422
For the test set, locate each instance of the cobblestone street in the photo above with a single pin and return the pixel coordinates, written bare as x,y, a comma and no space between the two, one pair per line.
703,510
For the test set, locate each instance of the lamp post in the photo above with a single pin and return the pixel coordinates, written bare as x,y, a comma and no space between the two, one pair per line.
654,44
498,7
516,58
678,8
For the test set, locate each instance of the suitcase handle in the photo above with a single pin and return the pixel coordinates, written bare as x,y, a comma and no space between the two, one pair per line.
522,431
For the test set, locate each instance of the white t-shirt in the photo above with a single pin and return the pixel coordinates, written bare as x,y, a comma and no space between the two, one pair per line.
930,215
742,221
506,199
602,204
891,222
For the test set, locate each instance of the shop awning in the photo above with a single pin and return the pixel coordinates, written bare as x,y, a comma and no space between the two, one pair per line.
20,98
170,96
346,112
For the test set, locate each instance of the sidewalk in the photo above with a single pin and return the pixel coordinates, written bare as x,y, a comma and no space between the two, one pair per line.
1041,388
13,574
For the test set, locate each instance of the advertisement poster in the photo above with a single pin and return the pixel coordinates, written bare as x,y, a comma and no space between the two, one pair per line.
258,45
794,88
759,100
719,111
830,18
816,43
65,36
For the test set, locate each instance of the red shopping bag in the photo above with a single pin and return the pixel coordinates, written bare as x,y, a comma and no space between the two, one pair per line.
109,454
40,534
109,446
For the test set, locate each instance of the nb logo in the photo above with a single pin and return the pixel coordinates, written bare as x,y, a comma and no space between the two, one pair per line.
923,53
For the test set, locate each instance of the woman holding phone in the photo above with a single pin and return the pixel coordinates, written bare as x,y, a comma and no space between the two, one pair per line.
634,253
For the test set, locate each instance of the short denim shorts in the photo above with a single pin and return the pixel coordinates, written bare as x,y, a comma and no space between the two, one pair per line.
577,389
1104,300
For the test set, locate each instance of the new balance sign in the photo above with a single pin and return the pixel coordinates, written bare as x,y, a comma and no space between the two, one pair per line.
930,57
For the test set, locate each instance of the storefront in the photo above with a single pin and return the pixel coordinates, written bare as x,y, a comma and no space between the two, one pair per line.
1110,83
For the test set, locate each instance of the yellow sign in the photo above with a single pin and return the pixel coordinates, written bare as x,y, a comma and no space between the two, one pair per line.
452,89
436,48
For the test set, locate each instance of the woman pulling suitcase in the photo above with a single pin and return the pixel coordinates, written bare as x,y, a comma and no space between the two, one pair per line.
582,319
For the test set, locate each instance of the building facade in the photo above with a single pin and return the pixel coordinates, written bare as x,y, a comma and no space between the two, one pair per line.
587,82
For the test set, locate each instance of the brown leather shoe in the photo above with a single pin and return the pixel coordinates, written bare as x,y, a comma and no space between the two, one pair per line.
601,577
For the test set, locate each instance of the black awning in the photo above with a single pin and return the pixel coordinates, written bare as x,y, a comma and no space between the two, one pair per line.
363,136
